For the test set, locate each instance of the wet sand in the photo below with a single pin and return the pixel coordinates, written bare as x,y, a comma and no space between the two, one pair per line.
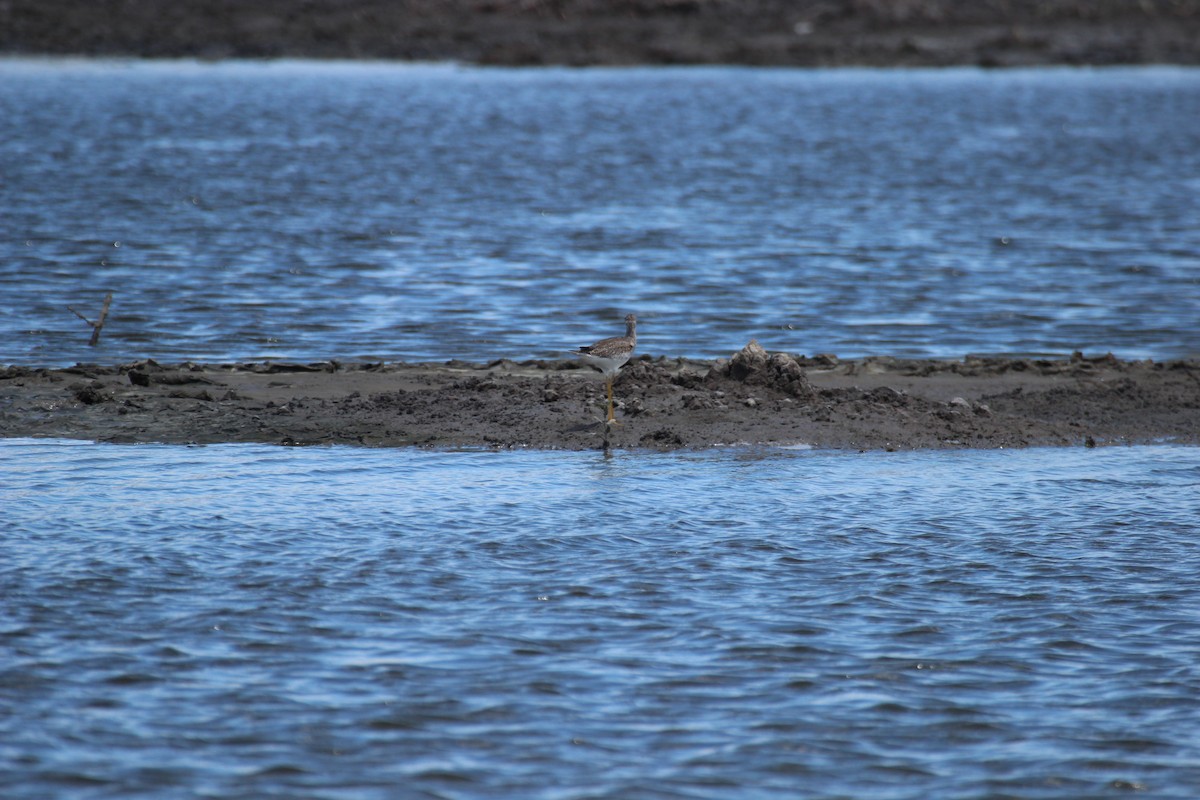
617,32
663,404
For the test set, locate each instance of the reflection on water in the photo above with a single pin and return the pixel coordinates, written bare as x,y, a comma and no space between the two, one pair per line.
251,621
307,211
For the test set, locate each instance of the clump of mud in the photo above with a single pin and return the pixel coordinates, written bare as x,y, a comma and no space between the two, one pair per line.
753,366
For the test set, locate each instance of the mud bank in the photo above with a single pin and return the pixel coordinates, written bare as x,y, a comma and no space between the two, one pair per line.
664,404
618,32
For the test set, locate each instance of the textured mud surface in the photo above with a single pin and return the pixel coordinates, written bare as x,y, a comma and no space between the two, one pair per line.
752,398
586,32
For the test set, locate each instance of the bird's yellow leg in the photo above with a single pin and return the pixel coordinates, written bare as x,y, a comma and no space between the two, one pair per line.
612,420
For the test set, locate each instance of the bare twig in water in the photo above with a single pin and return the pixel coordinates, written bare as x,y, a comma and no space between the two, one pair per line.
99,323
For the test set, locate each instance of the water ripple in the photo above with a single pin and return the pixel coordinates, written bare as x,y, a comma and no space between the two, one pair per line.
308,211
248,621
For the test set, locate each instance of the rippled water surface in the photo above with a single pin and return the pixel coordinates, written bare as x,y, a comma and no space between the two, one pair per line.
250,621
309,211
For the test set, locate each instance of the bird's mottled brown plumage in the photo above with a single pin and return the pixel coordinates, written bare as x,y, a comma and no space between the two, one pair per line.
608,355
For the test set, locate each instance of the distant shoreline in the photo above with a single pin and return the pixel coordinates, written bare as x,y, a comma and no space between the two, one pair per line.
755,398
616,32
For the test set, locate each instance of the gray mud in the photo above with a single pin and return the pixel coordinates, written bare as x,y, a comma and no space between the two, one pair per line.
618,32
663,404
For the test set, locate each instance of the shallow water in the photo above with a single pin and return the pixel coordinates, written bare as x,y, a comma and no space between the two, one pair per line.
253,621
372,211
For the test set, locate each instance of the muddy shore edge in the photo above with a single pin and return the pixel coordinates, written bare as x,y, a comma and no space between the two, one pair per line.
754,398
617,32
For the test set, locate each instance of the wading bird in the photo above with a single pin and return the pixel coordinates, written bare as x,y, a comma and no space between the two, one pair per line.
608,355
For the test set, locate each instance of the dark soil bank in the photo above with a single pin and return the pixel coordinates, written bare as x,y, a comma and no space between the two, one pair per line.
584,32
753,398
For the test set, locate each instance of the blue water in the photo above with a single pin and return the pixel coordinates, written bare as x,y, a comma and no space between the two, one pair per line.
371,211
259,622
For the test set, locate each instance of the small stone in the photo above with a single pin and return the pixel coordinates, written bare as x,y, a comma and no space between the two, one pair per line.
90,393
825,360
886,394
